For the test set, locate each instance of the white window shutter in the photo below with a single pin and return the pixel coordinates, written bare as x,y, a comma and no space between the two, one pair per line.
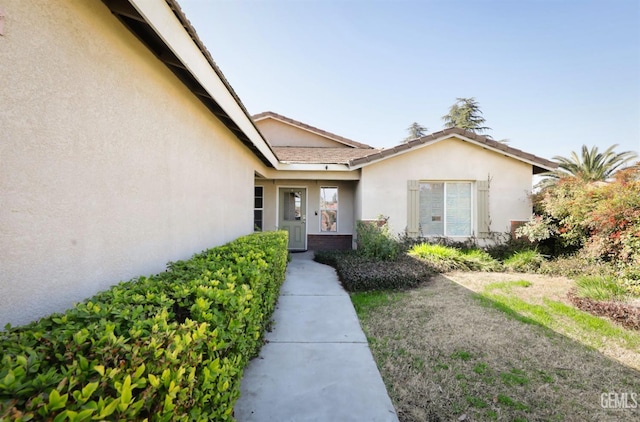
413,208
484,222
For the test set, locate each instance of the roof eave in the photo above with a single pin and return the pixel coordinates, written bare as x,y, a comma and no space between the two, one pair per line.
162,27
291,166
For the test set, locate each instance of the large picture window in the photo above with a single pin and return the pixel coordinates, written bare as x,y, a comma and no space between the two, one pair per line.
258,208
328,209
445,208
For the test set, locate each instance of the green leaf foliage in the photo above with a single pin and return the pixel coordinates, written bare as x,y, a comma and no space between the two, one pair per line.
524,261
466,114
361,273
375,240
166,347
446,258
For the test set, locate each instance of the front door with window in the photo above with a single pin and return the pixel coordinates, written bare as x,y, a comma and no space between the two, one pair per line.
293,217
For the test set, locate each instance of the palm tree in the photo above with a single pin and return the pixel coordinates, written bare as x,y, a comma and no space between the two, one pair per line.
465,114
416,130
591,166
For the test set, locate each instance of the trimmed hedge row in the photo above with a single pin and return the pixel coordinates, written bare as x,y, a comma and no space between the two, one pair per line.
359,273
167,347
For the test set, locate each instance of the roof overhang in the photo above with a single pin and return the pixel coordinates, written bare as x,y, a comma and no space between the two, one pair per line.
284,166
162,27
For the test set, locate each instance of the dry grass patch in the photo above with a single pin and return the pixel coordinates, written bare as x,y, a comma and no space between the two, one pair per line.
444,354
542,286
544,300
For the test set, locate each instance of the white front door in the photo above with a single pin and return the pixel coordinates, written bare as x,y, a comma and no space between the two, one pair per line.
293,216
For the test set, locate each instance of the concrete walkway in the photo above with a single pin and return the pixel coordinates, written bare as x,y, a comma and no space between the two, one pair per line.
317,365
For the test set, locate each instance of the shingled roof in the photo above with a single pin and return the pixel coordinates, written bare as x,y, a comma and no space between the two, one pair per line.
540,165
318,155
304,126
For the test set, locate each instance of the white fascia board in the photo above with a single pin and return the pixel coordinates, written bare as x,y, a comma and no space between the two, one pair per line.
161,18
499,151
283,166
270,174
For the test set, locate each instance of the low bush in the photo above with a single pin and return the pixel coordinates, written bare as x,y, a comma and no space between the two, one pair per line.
600,288
442,258
445,258
375,241
524,261
575,265
360,273
332,257
506,247
166,347
479,260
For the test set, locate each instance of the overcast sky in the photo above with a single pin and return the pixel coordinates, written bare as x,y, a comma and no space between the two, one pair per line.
550,75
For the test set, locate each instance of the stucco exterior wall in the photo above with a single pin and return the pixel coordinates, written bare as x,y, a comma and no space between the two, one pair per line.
346,213
280,134
110,166
383,185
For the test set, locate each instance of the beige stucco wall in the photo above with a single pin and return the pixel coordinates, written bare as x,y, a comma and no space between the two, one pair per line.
280,134
346,212
383,185
110,166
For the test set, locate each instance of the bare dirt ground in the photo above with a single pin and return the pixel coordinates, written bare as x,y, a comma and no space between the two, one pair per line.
444,356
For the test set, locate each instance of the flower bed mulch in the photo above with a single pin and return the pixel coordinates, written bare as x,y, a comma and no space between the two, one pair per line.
623,314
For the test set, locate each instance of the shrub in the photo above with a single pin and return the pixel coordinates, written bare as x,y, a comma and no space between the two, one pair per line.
524,261
374,241
600,288
332,257
575,265
445,258
359,273
506,247
602,218
442,258
479,260
166,347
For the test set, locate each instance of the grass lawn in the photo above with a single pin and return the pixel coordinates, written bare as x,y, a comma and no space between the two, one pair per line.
495,346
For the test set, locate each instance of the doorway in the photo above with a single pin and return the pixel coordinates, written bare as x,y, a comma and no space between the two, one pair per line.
292,216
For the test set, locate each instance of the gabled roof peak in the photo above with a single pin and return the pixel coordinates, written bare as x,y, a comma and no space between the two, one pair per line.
309,128
540,165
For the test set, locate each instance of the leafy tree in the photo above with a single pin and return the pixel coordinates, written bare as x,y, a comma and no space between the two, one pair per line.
590,166
416,130
465,114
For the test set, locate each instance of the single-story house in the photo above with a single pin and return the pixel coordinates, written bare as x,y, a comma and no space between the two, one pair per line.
124,147
451,183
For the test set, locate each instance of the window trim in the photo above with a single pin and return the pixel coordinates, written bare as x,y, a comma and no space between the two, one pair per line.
258,209
472,208
337,210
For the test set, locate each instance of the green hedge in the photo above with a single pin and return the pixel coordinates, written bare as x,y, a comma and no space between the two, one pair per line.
167,347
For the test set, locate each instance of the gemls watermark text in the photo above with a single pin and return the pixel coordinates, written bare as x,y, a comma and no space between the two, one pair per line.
619,400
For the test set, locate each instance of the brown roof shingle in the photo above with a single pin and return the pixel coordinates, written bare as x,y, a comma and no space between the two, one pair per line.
315,155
